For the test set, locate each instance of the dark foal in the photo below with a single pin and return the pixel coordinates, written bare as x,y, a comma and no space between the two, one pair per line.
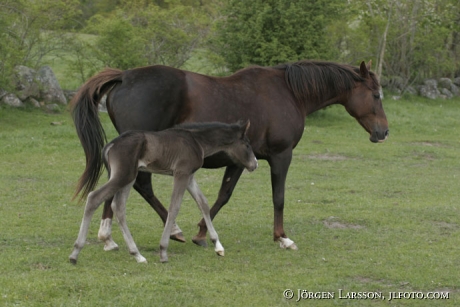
178,152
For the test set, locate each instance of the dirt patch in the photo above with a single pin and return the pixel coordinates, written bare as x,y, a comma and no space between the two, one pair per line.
334,223
327,157
429,144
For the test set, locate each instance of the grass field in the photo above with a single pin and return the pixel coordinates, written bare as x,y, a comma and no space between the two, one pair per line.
367,218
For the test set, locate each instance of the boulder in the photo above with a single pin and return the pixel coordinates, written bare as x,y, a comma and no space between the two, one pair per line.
12,100
456,81
455,90
429,89
24,82
50,90
446,93
444,83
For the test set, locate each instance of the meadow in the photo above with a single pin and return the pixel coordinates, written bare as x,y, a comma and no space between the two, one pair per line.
370,220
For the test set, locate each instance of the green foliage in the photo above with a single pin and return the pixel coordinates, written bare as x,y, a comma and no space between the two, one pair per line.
421,37
30,30
366,217
271,32
139,34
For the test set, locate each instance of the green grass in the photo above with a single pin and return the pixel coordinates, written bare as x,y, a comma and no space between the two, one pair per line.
366,217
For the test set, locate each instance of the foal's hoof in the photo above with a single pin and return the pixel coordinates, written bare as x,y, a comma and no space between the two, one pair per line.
179,237
200,241
73,261
220,253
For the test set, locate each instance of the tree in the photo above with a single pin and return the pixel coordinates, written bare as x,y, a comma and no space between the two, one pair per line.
269,32
408,40
30,30
140,33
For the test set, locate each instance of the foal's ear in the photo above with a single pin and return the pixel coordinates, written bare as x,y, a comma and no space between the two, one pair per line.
364,69
245,127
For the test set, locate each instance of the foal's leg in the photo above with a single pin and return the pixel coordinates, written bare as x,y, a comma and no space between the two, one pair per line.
143,186
180,184
119,206
94,199
200,199
279,166
229,181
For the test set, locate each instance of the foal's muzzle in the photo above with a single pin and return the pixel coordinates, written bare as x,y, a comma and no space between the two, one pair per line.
253,165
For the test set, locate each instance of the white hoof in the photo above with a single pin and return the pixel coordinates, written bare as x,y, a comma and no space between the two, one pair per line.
110,245
287,243
140,259
175,230
105,230
219,249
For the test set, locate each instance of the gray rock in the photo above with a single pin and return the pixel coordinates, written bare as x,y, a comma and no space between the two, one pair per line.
455,90
444,83
429,89
24,82
456,81
50,90
12,100
445,92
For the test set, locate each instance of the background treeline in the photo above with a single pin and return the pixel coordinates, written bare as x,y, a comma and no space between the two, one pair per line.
408,40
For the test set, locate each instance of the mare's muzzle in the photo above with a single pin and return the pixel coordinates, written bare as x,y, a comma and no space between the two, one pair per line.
379,136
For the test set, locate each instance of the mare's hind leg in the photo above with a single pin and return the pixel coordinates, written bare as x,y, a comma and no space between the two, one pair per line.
105,229
180,184
200,199
119,206
143,186
231,177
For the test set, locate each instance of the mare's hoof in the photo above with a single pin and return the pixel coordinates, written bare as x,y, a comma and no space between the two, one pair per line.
287,243
179,237
200,241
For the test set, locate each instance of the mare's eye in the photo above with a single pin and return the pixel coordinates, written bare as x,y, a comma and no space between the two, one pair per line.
377,96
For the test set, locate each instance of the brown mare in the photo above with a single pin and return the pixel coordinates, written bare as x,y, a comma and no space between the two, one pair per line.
275,99
178,152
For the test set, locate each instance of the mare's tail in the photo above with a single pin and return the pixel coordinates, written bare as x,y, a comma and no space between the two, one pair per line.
84,109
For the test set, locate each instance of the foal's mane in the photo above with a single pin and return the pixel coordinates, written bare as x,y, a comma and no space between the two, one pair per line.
316,80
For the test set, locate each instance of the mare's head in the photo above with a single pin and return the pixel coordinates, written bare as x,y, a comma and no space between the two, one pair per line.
365,104
240,150
319,84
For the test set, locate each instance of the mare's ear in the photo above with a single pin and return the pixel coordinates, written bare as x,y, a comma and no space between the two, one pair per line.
364,69
245,127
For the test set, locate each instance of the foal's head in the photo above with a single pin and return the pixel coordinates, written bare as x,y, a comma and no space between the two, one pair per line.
240,151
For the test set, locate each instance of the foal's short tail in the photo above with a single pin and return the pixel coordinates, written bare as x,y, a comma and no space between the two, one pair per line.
84,109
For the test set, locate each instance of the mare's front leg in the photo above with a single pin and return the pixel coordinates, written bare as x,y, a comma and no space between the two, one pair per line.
229,181
279,165
119,206
202,202
180,184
